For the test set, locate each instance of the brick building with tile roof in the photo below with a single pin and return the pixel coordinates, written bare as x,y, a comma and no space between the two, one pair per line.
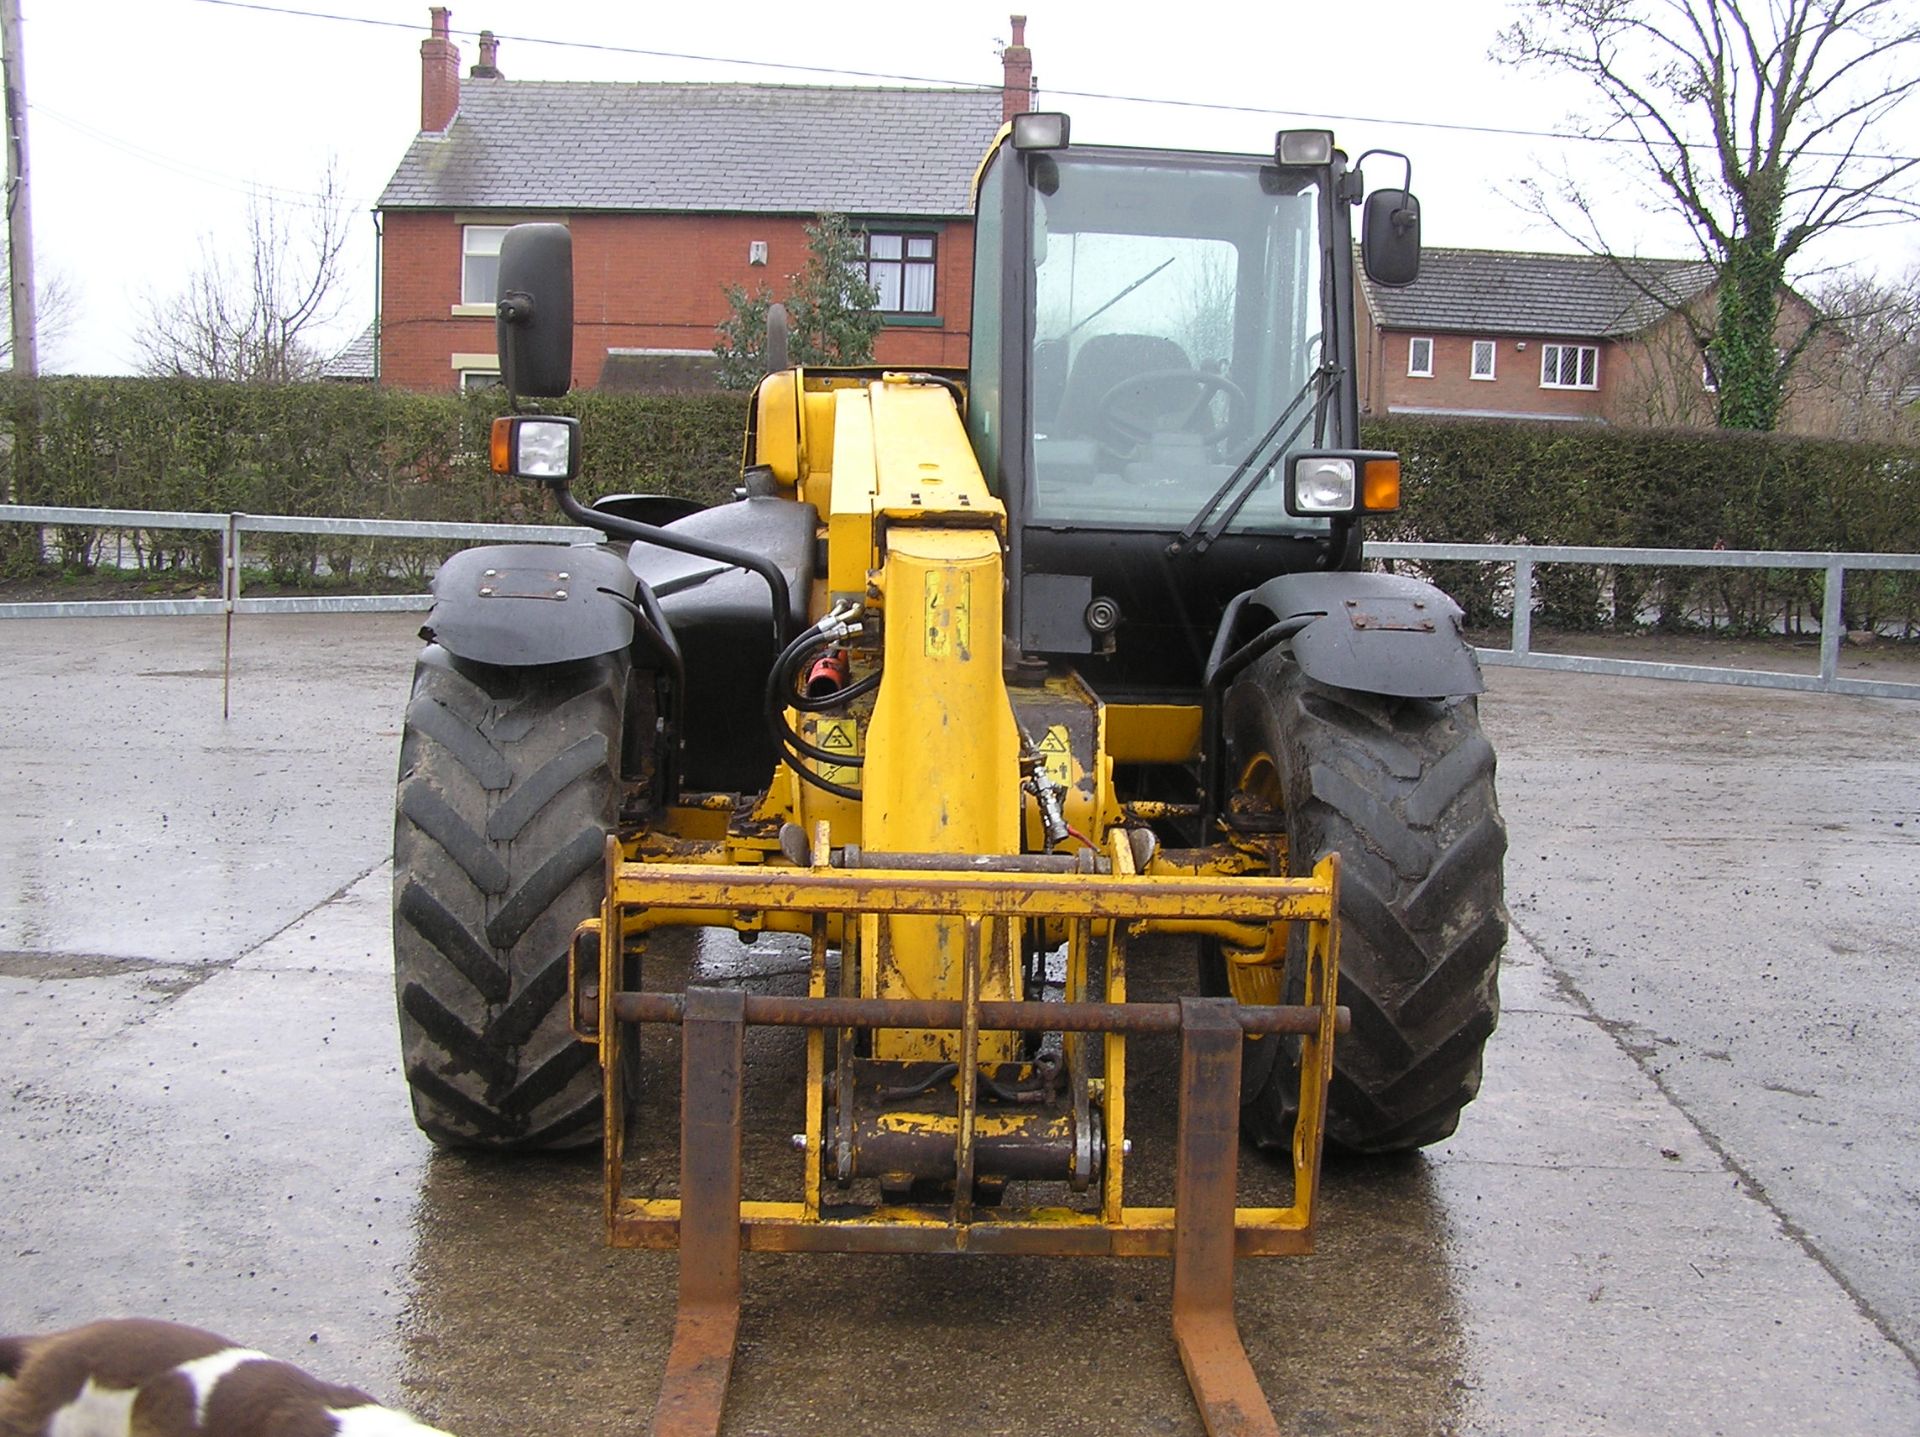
672,192
1493,334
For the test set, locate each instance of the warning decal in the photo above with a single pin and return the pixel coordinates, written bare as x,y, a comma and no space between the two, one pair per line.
1057,754
841,735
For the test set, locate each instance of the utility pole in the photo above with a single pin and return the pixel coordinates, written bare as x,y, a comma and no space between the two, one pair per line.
26,345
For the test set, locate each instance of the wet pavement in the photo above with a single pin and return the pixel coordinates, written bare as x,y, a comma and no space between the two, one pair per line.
1688,1199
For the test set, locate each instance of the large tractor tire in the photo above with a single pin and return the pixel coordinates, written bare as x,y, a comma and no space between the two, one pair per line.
509,785
1403,790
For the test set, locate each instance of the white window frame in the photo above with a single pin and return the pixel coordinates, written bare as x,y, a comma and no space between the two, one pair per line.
904,266
1414,369
1550,361
474,242
472,371
1491,349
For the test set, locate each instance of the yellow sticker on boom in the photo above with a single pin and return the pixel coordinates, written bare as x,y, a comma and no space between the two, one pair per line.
1056,754
948,615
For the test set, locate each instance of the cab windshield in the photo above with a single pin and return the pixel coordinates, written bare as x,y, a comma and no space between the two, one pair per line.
1177,315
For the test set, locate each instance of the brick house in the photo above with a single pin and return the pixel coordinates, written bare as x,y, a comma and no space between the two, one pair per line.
1496,335
673,191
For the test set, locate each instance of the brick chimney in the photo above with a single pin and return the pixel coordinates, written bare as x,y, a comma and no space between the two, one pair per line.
439,75
489,66
1016,89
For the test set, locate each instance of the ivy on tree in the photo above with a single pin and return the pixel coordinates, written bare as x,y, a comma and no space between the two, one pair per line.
1763,126
830,309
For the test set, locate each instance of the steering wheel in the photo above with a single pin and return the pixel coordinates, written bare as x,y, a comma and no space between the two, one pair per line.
1116,417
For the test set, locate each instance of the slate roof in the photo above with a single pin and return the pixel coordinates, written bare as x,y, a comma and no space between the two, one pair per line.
356,361
704,148
1499,292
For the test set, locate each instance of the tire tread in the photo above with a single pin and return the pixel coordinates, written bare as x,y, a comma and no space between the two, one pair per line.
1404,790
508,787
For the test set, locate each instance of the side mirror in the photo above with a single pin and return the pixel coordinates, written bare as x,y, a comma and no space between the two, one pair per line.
1390,237
533,322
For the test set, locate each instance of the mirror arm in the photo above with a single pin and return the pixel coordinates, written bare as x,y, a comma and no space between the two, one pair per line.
1406,184
515,309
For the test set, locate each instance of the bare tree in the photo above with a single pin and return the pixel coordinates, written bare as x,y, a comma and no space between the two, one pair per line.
1658,376
252,321
1873,383
55,307
1790,96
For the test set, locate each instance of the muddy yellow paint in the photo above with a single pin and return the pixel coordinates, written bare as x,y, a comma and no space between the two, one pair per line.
777,416
850,539
942,764
1153,733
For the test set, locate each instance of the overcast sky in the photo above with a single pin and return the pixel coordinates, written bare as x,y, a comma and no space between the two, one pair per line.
152,119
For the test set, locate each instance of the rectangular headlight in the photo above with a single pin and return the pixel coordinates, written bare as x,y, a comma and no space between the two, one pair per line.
1303,147
1320,484
1349,481
1040,130
535,446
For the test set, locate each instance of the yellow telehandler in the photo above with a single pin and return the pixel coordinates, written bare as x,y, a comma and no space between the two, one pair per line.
986,676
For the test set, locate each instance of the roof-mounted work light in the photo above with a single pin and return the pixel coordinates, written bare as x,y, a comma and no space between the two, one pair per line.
1303,147
1040,130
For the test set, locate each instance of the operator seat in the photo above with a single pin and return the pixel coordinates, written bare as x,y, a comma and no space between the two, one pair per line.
1104,361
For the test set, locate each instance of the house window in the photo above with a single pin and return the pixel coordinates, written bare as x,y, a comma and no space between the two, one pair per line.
900,267
1569,366
1420,358
1482,359
480,262
475,372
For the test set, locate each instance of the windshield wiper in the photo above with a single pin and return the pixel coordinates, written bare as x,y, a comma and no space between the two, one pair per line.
1317,385
1120,296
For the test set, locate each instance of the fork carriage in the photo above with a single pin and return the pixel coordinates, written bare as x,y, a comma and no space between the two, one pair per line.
891,1123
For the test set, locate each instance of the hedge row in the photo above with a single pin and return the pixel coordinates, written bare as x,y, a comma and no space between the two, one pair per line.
351,450
1484,482
325,449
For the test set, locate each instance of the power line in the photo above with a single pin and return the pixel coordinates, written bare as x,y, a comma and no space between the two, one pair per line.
601,47
219,179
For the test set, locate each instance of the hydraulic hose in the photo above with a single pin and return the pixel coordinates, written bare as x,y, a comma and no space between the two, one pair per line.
795,749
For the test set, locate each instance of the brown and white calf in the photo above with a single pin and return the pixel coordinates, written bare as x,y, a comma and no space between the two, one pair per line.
137,1378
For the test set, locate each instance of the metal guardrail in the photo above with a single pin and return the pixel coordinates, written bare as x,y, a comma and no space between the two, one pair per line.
231,527
1519,654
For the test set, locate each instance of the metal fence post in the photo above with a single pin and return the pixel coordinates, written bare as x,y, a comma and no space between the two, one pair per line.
1832,624
229,592
1522,605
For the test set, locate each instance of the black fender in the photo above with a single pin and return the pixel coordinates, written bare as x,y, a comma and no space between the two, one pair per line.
518,605
1377,633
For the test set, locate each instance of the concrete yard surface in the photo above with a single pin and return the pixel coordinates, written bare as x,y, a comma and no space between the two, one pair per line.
1686,1201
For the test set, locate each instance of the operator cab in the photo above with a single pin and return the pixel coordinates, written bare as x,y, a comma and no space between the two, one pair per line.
1161,339
1176,311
